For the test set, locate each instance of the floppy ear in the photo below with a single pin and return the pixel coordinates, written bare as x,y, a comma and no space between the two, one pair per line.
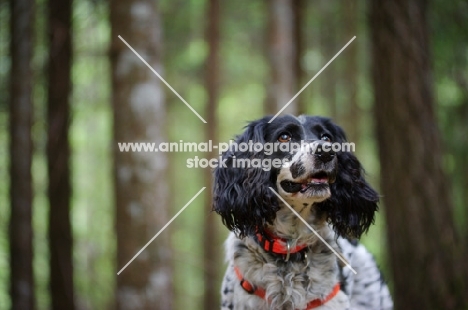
353,201
241,195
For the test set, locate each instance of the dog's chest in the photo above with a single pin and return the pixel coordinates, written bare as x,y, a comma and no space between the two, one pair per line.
294,282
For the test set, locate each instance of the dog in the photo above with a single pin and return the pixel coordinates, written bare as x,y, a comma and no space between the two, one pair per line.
275,260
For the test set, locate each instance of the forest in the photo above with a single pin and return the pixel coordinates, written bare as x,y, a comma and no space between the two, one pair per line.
79,78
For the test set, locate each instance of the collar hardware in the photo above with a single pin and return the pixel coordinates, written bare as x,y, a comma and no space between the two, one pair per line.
288,253
278,245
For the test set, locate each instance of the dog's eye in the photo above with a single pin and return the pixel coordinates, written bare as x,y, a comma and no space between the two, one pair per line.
284,137
326,137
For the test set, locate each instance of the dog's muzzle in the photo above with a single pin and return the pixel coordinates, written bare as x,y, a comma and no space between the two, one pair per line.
316,167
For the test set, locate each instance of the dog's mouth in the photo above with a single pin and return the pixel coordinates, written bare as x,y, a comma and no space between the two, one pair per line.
314,180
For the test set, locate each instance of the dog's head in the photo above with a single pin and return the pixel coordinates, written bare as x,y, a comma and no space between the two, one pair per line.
303,161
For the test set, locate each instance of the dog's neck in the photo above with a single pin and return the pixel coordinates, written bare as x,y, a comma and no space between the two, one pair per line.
288,226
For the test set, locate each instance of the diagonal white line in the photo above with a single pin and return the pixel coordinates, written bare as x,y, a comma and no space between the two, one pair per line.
311,80
316,233
160,231
164,81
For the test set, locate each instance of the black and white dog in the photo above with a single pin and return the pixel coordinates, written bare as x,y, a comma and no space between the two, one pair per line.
275,260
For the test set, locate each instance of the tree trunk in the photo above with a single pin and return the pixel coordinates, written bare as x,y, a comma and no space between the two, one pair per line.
350,116
211,261
140,178
328,39
283,85
426,259
21,109
58,154
299,11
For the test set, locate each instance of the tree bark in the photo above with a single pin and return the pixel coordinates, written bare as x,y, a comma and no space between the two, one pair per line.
350,117
328,42
211,261
425,254
58,154
140,178
282,49
299,11
21,110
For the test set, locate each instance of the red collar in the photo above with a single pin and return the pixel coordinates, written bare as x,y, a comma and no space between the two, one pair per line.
260,292
277,245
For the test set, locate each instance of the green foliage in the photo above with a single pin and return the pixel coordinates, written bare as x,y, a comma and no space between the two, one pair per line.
5,59
450,50
5,213
90,136
4,162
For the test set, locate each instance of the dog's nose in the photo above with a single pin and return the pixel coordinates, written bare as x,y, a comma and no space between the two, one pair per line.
324,152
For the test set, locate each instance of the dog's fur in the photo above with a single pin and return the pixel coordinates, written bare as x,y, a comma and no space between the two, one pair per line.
328,190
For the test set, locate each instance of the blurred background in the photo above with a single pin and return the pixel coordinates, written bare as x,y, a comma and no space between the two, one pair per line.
74,209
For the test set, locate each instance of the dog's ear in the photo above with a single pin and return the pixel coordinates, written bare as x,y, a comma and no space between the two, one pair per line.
241,195
353,202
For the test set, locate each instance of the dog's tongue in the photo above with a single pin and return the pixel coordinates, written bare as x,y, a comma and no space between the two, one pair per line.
293,187
311,181
318,180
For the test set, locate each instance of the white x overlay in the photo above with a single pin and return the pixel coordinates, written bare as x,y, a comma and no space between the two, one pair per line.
315,232
201,118
311,80
163,80
161,230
